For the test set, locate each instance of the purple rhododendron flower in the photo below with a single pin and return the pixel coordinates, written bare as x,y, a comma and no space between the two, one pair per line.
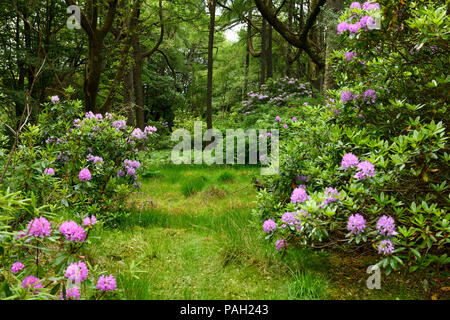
294,119
132,164
349,160
347,96
55,99
49,171
356,223
96,160
331,195
386,226
150,130
365,170
106,283
385,247
285,126
32,284
71,294
119,124
354,5
84,175
299,195
370,95
342,27
138,134
72,231
280,244
16,267
370,5
89,221
277,118
76,272
349,56
269,226
39,227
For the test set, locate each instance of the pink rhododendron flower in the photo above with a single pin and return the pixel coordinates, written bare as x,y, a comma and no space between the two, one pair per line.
39,227
16,267
106,283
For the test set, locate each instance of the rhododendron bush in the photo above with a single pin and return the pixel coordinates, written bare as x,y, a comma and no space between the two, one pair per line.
81,161
68,173
44,259
370,168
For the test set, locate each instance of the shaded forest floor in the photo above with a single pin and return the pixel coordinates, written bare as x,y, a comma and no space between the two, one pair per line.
191,235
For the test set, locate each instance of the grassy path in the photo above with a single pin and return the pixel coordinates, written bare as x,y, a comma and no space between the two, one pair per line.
190,236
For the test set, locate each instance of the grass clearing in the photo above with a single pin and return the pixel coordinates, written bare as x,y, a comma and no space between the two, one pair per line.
202,246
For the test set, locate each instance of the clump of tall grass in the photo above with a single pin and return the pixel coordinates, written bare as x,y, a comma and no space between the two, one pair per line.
226,176
192,185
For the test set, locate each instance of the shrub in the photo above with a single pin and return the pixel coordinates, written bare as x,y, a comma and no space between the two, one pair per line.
391,113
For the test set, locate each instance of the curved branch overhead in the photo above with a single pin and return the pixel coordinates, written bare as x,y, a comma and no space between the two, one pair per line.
300,41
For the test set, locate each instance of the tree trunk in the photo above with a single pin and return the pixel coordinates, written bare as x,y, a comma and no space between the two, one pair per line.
335,6
247,63
289,47
128,96
137,83
269,53
263,62
209,86
93,72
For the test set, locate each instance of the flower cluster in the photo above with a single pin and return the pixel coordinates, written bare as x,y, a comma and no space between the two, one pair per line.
386,226
32,284
365,169
370,95
356,223
331,195
269,226
76,272
96,160
291,219
72,231
49,171
120,124
84,175
39,227
16,267
299,195
366,22
281,244
385,247
106,283
89,221
347,96
349,56
148,130
349,160
91,115
278,92
71,294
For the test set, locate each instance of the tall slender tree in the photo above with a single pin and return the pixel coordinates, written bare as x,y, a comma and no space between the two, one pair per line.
209,86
